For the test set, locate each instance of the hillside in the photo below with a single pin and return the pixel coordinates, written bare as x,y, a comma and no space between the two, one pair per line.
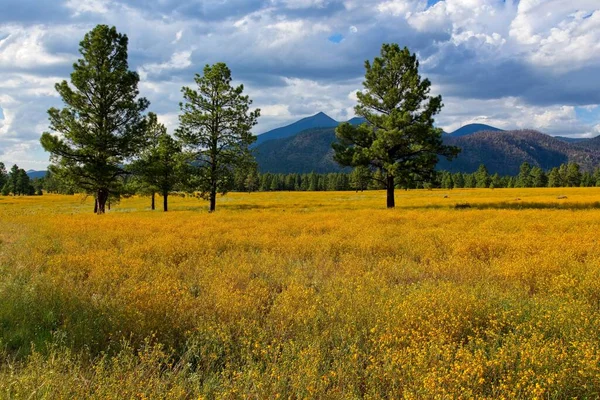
501,151
308,151
589,144
504,152
474,128
320,120
36,174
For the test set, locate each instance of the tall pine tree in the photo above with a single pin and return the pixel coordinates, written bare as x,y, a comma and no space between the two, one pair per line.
399,138
101,125
215,126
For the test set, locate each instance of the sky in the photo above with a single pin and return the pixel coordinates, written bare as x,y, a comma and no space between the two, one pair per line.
508,63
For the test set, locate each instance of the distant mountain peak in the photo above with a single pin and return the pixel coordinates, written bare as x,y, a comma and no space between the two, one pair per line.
470,129
319,120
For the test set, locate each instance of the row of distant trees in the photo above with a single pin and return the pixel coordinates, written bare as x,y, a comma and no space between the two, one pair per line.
567,175
17,182
361,178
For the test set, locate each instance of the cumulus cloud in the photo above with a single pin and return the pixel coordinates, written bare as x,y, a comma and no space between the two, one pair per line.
22,48
509,63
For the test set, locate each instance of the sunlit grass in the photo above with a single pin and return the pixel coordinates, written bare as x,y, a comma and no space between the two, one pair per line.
303,295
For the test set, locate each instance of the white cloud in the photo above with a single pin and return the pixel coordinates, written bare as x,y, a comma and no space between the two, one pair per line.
88,6
301,4
23,48
512,113
179,60
178,36
562,35
400,7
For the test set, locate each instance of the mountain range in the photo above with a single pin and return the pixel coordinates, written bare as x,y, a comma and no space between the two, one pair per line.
305,146
308,150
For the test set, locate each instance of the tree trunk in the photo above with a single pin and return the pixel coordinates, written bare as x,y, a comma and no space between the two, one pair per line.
391,202
213,200
165,201
95,205
153,201
101,199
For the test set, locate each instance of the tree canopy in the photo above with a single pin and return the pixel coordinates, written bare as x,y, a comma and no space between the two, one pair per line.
215,127
101,125
399,138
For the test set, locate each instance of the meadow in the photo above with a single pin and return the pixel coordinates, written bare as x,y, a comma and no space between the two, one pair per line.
469,293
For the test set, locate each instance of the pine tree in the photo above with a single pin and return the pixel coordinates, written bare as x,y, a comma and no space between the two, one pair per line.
360,178
13,180
482,177
163,165
215,126
101,125
470,181
399,138
597,177
524,178
458,180
538,177
554,178
573,175
142,166
3,175
496,181
446,181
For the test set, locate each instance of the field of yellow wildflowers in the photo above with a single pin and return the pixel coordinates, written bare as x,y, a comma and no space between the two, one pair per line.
303,295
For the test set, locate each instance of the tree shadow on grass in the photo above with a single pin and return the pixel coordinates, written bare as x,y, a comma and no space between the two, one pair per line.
513,205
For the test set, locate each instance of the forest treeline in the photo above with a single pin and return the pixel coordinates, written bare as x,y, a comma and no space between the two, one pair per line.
17,182
361,178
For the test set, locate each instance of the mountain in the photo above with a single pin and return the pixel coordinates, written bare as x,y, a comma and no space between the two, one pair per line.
592,144
571,140
36,174
320,120
503,152
357,121
308,151
474,128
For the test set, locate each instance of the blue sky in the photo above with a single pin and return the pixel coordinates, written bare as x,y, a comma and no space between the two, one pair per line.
512,64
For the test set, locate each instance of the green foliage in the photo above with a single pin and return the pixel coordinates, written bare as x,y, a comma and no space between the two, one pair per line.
3,175
215,126
573,175
16,182
482,177
524,177
360,178
458,180
399,138
538,177
162,166
101,125
554,179
446,180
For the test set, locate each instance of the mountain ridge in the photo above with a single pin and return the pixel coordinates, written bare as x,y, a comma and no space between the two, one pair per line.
319,120
501,151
